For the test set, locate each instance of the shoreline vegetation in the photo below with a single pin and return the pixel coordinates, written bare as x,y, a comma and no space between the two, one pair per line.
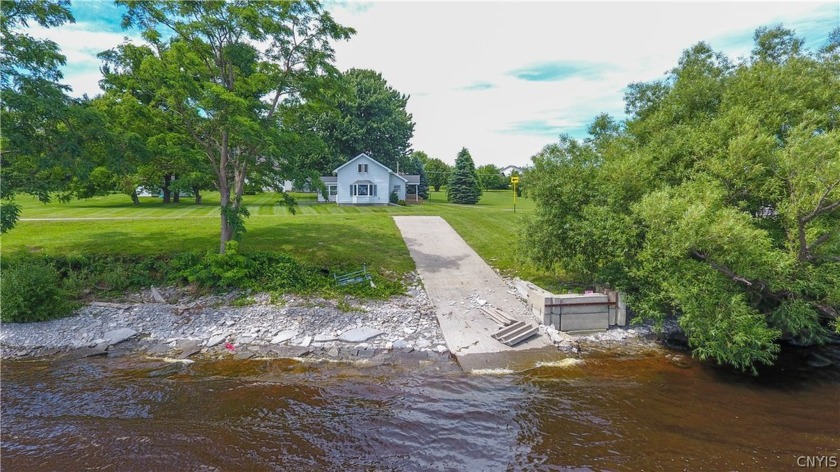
105,269
84,259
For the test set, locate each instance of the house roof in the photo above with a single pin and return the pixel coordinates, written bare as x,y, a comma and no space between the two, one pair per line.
372,159
329,179
412,178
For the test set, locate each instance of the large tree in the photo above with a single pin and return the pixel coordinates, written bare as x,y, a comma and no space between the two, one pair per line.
369,116
34,105
718,200
438,173
463,184
490,177
224,71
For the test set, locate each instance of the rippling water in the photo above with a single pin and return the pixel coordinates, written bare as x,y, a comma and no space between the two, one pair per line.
603,414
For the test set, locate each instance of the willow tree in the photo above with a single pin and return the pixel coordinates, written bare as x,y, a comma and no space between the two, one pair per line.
224,71
718,200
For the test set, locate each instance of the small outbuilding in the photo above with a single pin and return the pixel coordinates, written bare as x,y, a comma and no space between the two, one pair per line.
364,181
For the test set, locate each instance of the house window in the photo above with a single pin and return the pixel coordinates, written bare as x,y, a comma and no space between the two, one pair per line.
363,190
333,190
397,189
363,168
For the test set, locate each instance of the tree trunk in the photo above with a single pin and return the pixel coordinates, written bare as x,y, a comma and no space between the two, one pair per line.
227,231
224,192
167,194
197,193
134,198
176,197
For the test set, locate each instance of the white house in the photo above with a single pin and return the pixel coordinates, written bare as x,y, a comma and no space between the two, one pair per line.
364,181
509,170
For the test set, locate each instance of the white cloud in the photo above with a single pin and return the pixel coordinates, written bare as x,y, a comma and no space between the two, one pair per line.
80,43
434,51
439,52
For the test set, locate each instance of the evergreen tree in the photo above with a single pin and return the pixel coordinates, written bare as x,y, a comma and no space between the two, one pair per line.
463,183
423,190
417,165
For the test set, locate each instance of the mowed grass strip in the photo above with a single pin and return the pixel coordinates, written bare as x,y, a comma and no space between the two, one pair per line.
324,234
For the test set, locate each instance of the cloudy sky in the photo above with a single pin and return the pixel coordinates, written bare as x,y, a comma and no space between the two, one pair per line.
502,79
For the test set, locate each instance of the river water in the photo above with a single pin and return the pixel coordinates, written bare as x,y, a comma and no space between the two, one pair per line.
606,413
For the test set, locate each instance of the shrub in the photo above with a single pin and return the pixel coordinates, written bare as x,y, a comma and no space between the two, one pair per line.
401,203
393,198
30,290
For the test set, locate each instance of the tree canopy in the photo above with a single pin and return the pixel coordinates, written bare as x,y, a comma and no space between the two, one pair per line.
367,116
224,72
490,177
717,200
32,138
438,172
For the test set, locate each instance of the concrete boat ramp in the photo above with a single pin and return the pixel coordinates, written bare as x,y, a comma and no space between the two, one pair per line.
460,283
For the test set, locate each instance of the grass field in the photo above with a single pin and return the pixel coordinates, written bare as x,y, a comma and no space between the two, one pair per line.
324,234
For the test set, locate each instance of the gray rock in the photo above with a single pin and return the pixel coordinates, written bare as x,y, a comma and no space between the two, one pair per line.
292,351
422,343
307,340
365,353
158,349
215,340
400,344
283,336
82,353
333,352
157,296
119,335
357,335
242,355
323,338
189,348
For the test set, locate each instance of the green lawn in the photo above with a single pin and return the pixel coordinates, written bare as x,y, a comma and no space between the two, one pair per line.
324,234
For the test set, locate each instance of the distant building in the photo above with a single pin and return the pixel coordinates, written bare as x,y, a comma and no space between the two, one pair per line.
509,170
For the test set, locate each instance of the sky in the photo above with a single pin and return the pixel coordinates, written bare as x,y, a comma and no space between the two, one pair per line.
501,79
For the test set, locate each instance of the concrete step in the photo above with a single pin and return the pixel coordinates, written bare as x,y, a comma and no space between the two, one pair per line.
515,333
513,341
497,315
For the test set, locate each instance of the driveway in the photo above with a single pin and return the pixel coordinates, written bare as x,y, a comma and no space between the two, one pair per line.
458,282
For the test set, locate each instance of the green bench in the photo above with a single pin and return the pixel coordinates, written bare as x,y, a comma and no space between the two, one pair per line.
354,277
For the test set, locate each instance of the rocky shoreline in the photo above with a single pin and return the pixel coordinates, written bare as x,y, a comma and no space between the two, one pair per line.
171,324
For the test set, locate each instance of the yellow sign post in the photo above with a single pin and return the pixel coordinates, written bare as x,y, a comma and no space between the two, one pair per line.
514,179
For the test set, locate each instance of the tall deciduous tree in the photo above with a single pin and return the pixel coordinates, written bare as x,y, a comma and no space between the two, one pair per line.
717,200
224,70
463,184
369,116
34,105
438,173
490,177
